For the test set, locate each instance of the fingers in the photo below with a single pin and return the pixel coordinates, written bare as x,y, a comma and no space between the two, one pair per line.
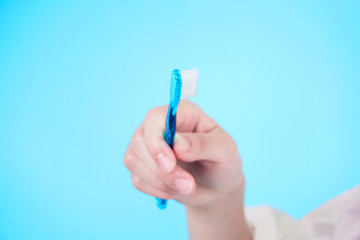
140,164
153,163
190,118
215,145
147,188
158,149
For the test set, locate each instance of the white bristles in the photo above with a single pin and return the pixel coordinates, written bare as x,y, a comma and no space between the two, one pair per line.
189,82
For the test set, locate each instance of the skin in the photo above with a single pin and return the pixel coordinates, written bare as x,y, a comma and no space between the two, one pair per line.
203,171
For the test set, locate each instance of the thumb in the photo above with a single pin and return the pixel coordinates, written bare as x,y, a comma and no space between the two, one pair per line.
215,146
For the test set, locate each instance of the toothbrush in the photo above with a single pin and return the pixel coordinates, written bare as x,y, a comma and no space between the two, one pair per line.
183,85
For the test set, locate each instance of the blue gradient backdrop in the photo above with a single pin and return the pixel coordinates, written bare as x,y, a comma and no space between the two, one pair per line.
77,77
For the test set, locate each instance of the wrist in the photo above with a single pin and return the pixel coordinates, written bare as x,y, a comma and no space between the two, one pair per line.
220,202
220,219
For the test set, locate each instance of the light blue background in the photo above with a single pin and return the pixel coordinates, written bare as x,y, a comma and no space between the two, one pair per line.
77,77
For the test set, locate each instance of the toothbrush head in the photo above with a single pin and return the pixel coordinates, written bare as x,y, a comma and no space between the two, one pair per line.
183,84
189,83
175,87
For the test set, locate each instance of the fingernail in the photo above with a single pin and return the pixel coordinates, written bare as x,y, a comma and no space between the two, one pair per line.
182,142
164,162
183,185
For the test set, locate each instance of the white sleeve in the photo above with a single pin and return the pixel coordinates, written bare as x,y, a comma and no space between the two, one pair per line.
336,219
267,223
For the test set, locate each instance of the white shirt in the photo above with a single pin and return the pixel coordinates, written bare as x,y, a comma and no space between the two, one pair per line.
338,219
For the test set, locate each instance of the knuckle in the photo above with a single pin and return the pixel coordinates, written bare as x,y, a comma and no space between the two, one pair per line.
137,182
232,148
153,112
129,160
137,137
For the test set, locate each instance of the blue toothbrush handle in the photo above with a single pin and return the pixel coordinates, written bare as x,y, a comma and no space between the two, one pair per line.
161,203
169,136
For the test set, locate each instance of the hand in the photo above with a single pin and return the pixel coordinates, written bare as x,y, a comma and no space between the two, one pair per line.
203,171
208,166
